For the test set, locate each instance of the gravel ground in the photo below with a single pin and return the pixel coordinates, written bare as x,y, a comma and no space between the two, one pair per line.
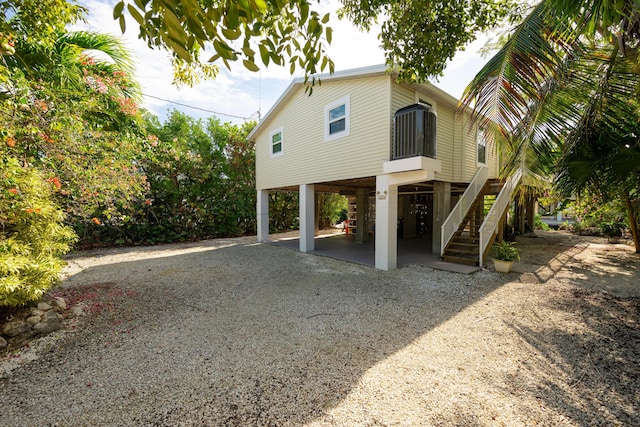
233,333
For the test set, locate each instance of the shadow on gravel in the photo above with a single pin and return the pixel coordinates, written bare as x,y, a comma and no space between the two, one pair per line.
544,255
587,368
236,336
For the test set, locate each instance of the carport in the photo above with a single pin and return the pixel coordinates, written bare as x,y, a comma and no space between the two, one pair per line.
414,237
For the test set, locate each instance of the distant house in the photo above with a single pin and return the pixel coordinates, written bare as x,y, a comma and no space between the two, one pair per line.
400,151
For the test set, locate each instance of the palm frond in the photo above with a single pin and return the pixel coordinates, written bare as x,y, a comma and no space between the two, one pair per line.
102,47
602,147
511,81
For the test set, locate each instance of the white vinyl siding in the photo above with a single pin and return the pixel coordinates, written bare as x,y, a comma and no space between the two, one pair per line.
493,160
470,154
309,159
402,97
445,142
471,163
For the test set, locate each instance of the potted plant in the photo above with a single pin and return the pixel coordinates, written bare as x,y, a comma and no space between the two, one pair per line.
504,255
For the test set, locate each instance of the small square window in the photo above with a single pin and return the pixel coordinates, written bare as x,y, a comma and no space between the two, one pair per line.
337,119
276,143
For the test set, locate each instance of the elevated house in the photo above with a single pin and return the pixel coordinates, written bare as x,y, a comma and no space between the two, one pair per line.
411,166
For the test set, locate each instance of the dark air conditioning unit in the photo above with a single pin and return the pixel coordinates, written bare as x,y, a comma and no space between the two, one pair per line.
414,132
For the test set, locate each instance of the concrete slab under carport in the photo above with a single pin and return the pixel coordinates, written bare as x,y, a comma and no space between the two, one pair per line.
414,251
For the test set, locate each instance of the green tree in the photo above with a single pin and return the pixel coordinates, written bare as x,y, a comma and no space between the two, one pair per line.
331,208
418,37
202,179
561,94
239,179
38,20
73,115
283,211
48,108
283,33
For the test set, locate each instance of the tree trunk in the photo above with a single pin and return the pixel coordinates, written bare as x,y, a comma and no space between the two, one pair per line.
632,222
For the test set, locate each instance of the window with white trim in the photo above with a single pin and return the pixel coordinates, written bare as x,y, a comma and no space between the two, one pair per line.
337,122
276,142
481,141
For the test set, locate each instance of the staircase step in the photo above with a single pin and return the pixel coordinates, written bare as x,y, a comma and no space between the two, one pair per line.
461,245
460,260
464,244
466,239
456,251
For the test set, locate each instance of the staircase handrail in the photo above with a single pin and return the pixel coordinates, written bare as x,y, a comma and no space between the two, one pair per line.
492,220
459,211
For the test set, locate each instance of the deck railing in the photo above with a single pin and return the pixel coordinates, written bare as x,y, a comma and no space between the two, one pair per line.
491,222
459,211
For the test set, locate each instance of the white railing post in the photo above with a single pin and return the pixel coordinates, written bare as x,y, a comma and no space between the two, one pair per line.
491,222
451,224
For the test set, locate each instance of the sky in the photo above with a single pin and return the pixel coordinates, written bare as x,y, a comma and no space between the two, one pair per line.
241,94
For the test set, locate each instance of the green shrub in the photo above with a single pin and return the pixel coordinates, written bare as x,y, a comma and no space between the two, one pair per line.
541,225
32,234
612,229
565,226
585,228
578,227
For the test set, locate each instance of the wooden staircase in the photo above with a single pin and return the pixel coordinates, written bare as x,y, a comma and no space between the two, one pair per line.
464,246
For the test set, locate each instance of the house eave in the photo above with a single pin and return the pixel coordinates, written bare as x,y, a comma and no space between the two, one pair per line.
370,71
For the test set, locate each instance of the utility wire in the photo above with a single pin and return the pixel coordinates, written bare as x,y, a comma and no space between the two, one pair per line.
195,108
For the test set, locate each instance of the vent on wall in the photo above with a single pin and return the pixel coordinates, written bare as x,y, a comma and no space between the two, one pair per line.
414,132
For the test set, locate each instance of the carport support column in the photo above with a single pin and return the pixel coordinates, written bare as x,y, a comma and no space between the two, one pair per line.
386,223
441,210
307,214
262,214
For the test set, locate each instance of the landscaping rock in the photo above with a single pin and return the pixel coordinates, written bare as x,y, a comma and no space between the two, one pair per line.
15,328
44,306
51,316
51,321
32,320
3,343
60,303
44,328
36,312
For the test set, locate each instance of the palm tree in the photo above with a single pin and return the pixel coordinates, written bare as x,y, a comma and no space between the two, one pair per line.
64,62
559,95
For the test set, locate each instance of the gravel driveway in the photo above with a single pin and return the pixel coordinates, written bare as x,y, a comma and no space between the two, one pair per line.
234,333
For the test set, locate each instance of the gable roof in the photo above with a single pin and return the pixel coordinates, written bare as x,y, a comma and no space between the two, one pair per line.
370,71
